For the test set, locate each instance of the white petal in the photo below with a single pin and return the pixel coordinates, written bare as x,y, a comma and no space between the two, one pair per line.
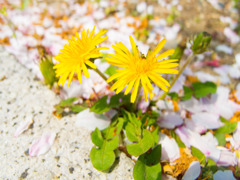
207,120
193,171
170,149
206,144
42,145
223,175
227,158
91,120
224,48
169,120
23,126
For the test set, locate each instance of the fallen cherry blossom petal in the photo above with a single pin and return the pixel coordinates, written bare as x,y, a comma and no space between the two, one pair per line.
224,48
205,143
42,145
224,175
227,158
207,120
193,171
170,120
91,120
170,149
23,126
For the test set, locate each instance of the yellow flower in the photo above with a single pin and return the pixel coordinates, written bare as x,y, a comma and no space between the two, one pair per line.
77,54
138,69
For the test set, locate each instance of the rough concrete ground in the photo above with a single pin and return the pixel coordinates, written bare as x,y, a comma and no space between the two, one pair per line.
22,97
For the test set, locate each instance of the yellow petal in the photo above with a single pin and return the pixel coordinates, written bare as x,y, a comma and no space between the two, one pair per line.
135,90
165,54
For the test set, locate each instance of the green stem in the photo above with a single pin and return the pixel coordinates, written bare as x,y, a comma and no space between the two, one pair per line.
190,57
102,75
137,98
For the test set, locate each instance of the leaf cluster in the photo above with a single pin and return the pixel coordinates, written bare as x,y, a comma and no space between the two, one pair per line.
68,106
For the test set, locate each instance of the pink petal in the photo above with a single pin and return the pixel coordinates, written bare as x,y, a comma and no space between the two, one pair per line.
23,127
193,171
42,145
205,143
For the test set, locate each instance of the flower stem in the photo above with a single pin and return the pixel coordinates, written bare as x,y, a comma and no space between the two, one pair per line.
190,57
137,98
102,75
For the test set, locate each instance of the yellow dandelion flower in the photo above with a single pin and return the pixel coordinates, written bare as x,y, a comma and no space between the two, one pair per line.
137,69
77,54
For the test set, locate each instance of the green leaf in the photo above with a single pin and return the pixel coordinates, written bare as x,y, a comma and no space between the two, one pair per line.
221,138
197,153
78,108
177,53
200,42
68,102
228,128
100,106
131,117
155,134
224,120
101,159
202,89
111,70
148,166
115,100
143,145
173,95
187,93
97,138
112,144
113,130
132,133
46,68
177,138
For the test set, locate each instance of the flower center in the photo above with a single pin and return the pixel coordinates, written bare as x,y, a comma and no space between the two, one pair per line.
142,66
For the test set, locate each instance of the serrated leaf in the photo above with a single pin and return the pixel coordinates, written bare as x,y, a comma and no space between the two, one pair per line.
143,145
100,106
198,154
187,93
111,70
97,138
228,128
102,160
202,89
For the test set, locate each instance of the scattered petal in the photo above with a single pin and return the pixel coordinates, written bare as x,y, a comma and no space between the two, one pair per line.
170,149
91,120
23,126
42,145
193,171
224,175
